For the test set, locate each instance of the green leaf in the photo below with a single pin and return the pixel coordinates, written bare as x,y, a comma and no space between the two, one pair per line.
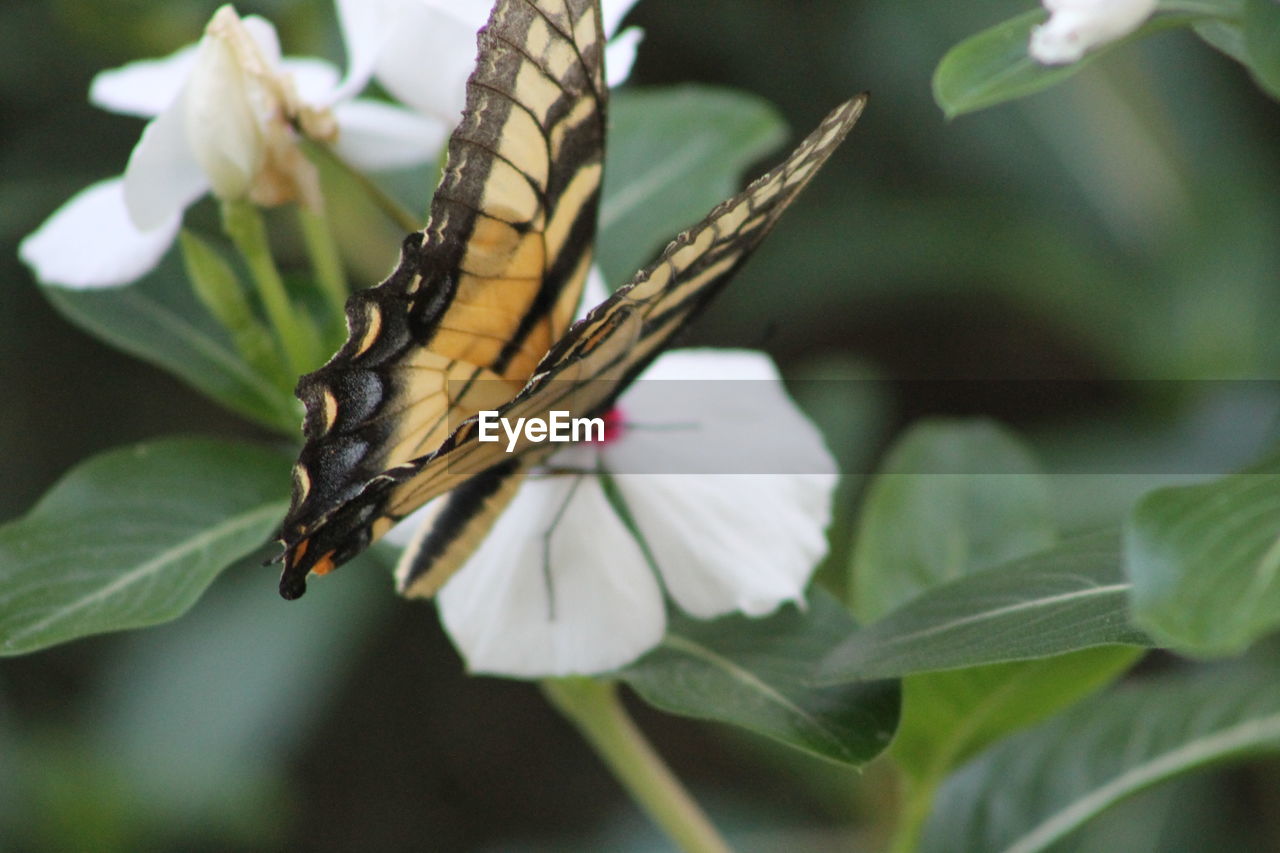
673,154
132,537
1262,42
159,320
167,754
242,640
993,66
1033,789
754,673
949,716
1224,36
1073,596
954,499
950,499
1205,561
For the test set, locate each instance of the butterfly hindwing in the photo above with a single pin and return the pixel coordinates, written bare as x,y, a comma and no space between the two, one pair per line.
479,295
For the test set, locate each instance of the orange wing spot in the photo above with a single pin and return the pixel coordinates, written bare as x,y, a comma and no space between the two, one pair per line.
324,565
601,333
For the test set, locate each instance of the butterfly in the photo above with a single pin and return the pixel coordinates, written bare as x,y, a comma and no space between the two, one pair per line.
478,314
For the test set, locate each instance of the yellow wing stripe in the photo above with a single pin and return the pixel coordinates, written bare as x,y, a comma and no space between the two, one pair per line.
455,546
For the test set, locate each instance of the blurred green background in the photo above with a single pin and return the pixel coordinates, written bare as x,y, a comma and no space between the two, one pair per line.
1112,231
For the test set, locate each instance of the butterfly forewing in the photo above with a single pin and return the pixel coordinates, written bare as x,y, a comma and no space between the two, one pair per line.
480,294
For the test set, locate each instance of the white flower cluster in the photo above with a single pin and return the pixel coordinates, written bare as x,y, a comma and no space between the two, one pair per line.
225,115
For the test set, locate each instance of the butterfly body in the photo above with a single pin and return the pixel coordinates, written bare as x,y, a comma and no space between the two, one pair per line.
477,314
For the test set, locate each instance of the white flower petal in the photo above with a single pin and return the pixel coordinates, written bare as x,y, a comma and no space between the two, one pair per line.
220,110
144,88
263,33
449,40
473,13
731,542
373,135
612,12
162,177
723,541
620,55
734,417
594,292
555,589
445,31
405,529
315,80
1077,26
713,364
365,25
91,242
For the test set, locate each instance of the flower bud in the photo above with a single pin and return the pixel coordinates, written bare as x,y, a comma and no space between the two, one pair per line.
238,111
220,113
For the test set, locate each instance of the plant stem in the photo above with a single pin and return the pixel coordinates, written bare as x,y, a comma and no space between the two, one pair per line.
219,289
325,261
594,708
916,802
298,338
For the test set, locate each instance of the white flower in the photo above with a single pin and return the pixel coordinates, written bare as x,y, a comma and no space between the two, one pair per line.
563,586
391,39
1076,26
223,113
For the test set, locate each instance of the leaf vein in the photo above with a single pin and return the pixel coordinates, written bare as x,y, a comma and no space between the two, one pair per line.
145,572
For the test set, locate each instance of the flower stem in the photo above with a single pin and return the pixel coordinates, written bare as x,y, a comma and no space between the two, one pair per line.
916,803
325,261
298,337
594,708
219,289
391,208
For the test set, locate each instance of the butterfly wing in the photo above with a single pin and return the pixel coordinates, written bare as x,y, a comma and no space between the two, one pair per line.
482,292
591,365
600,355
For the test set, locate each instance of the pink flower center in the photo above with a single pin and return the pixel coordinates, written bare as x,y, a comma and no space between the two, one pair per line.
613,426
